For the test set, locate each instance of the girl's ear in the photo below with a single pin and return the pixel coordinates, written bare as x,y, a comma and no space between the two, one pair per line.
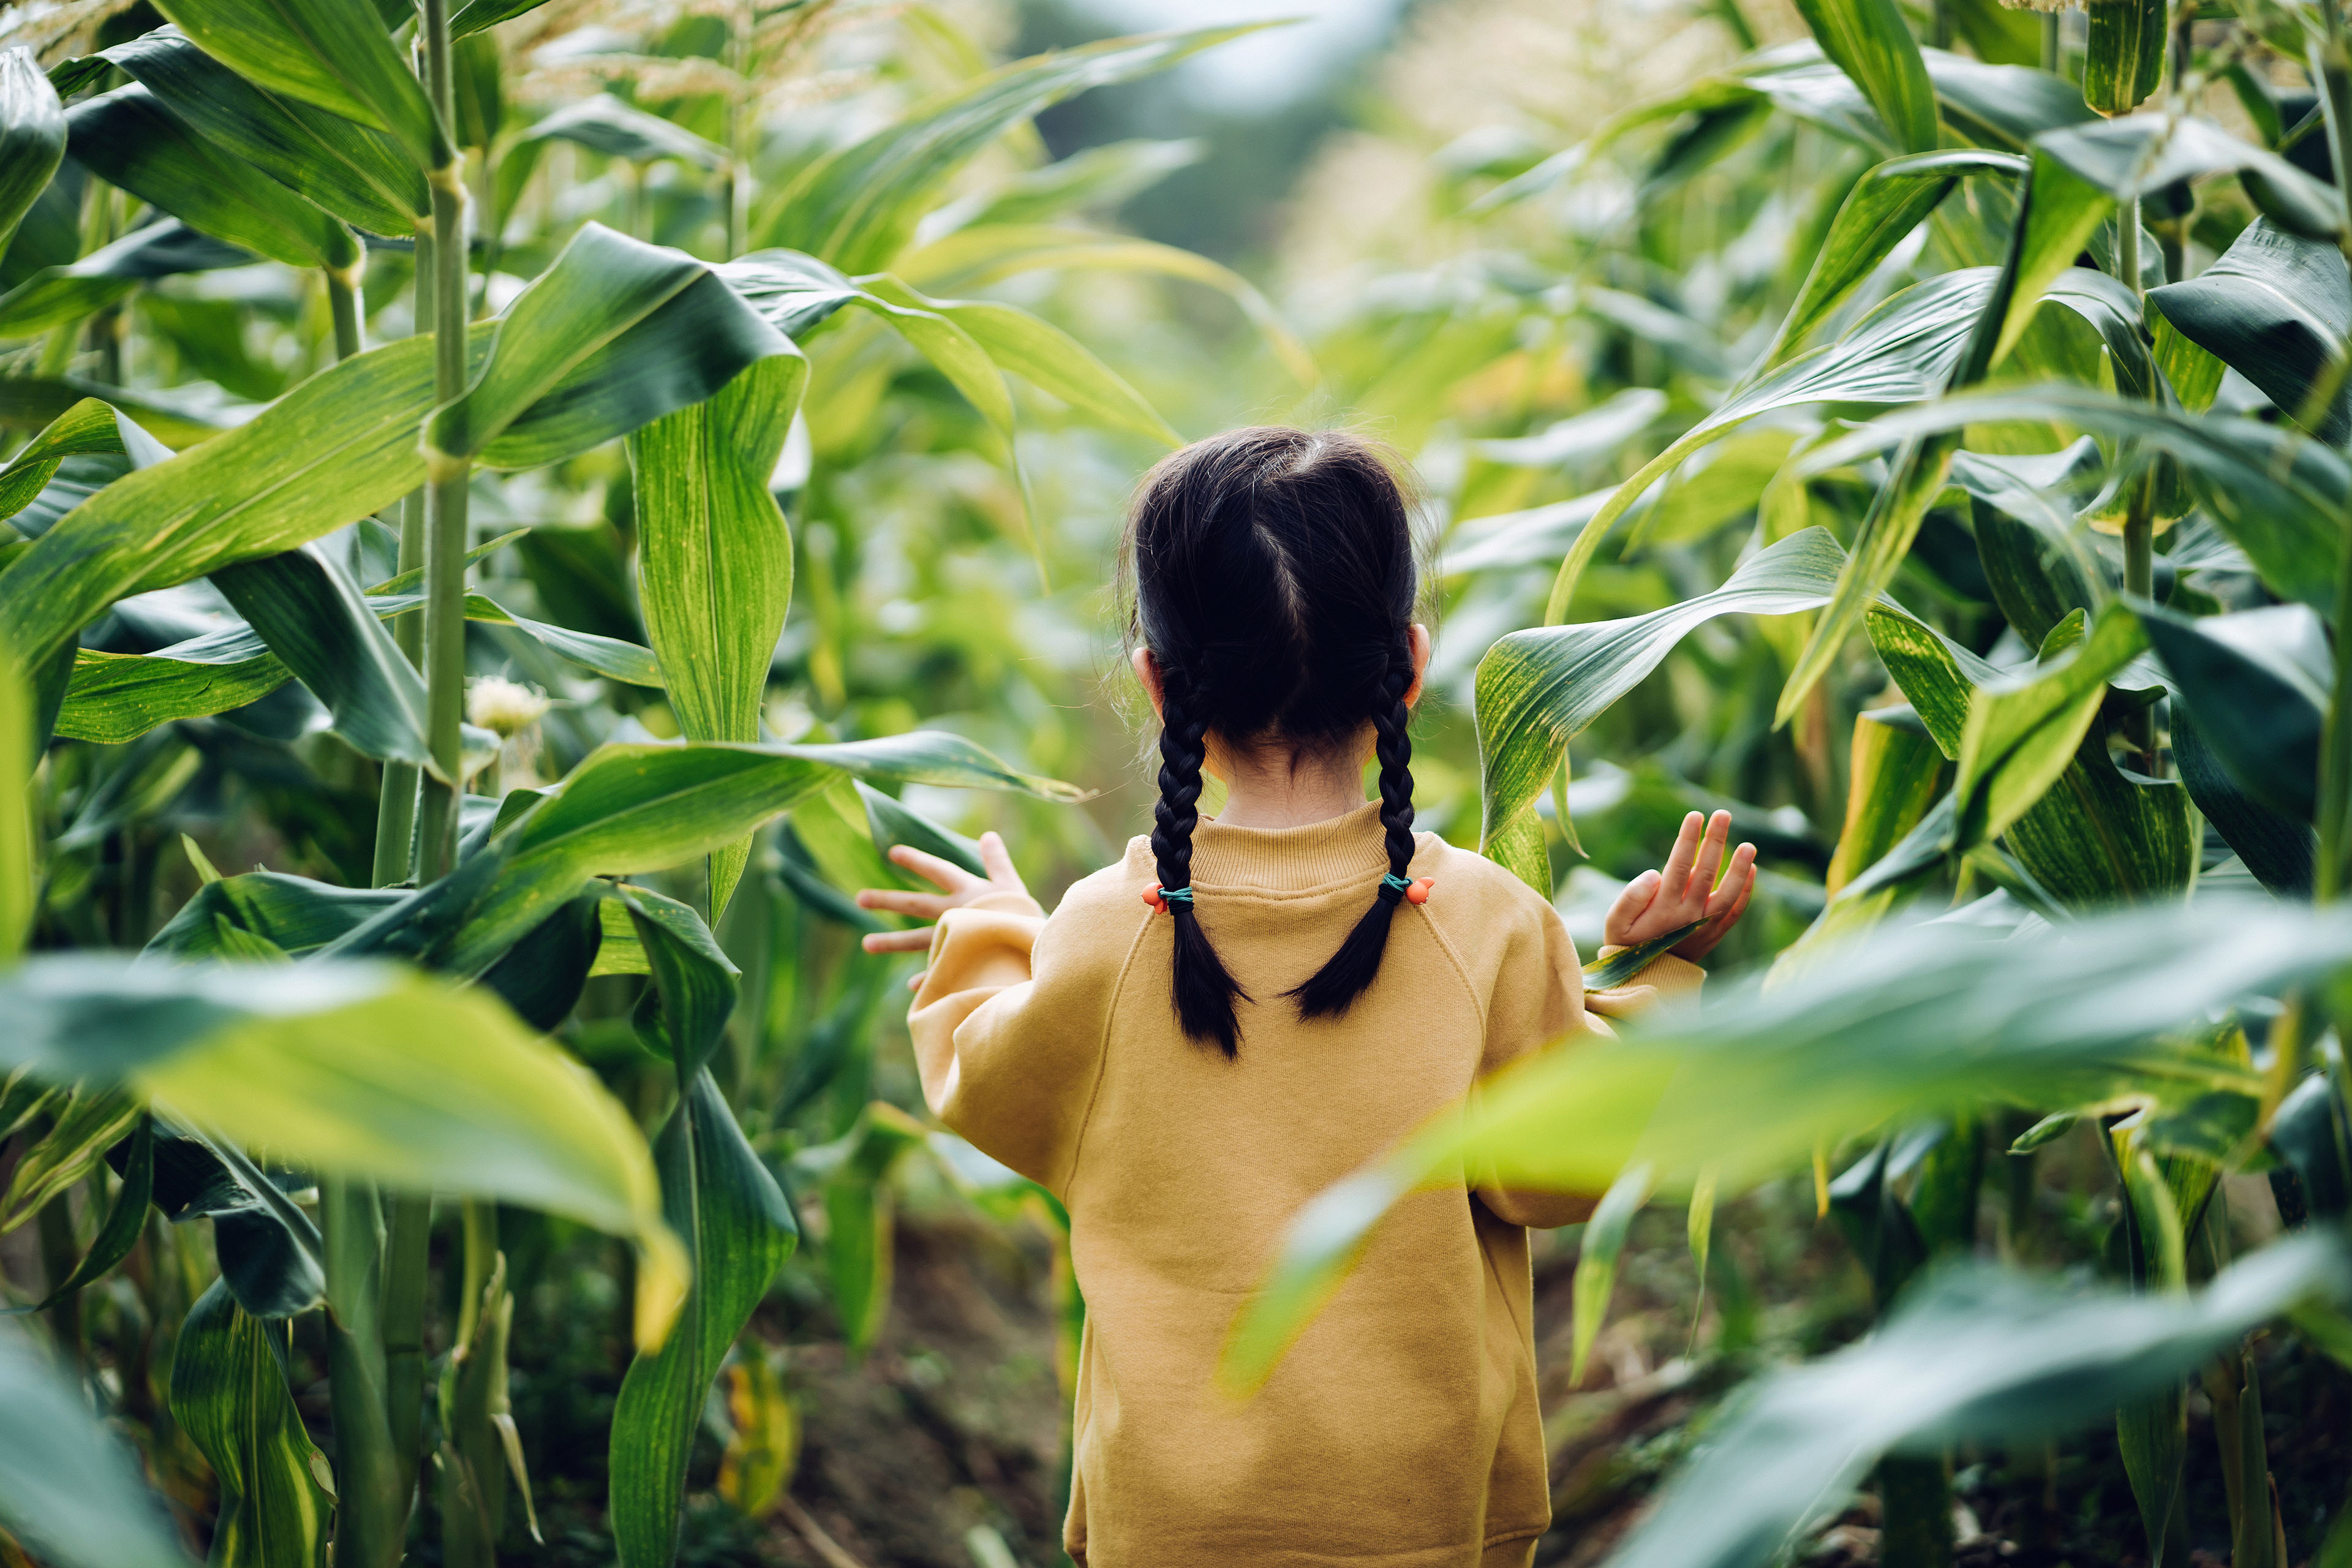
1147,670
1421,647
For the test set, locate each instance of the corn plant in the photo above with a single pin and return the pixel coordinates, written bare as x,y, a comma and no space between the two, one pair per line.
265,595
2044,456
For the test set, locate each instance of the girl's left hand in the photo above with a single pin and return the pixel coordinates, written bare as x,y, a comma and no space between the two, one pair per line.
1655,903
957,887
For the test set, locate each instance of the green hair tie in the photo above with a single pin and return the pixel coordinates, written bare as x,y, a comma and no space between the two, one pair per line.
1177,895
1399,885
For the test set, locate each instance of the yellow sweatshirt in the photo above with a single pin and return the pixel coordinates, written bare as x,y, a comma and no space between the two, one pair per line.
1403,1427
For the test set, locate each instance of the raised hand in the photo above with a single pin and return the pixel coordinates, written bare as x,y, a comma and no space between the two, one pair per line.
957,887
1657,902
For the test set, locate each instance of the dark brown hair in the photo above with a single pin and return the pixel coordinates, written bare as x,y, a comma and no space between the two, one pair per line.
1275,583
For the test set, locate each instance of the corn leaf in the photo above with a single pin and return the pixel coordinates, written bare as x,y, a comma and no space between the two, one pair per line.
126,1218
33,402
2005,104
362,176
1908,1025
986,253
32,137
1536,689
1869,40
128,138
1597,1253
2275,493
603,123
57,296
2123,59
1903,350
2022,733
1885,206
99,443
2274,308
70,1487
2279,850
2257,686
334,55
857,206
739,1230
1052,360
353,1069
715,559
229,1395
313,619
1980,1355
614,334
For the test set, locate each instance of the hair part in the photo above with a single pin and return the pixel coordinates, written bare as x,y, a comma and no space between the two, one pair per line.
1275,584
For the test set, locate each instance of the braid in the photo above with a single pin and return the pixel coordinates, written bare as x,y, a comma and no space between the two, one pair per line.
1203,991
1349,971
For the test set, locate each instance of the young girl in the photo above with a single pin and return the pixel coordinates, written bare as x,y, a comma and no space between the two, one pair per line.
1249,1007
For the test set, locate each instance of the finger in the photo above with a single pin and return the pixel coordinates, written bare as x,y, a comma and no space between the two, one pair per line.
931,868
917,905
1709,858
1629,908
999,862
1736,880
915,981
1679,863
898,940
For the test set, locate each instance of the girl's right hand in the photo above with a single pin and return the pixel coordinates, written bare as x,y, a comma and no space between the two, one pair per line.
1686,892
958,887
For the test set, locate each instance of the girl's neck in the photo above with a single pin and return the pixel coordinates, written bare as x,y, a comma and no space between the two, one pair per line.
1271,787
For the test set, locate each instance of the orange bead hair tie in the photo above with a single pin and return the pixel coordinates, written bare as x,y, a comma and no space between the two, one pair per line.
1413,891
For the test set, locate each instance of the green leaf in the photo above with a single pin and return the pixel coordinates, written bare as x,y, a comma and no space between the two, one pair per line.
639,808
1536,689
269,1252
2123,59
2100,836
92,1119
108,444
32,402
1903,350
856,1168
1869,40
857,206
2002,105
1596,1263
2281,851
603,123
1877,1225
68,1486
985,253
126,1218
32,137
1052,360
313,619
715,558
57,296
2022,733
2275,493
128,139
332,54
1898,774
2256,684
339,446
20,753
1101,177
613,335
1979,1355
229,1395
362,176
1885,206
2033,559
1910,1024
2274,308
353,1069
739,1226
891,823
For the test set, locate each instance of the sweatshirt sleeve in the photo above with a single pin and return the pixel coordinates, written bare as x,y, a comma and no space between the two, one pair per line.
1539,998
1008,1028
